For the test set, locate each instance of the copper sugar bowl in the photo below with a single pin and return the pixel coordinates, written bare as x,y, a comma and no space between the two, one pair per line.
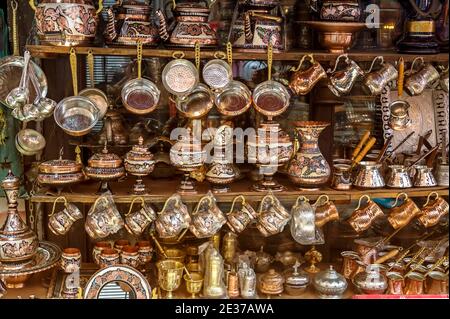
59,173
270,149
139,162
104,167
187,155
271,283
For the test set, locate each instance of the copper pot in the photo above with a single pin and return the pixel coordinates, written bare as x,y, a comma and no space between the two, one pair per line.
302,82
325,212
400,216
363,218
433,210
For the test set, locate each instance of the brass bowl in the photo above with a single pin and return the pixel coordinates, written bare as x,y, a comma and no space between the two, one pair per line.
16,281
173,254
337,37
194,283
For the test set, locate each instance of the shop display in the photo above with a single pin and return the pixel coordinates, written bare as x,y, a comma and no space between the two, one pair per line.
267,206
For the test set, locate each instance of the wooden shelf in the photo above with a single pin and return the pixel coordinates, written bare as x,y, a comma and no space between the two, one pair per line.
161,189
48,51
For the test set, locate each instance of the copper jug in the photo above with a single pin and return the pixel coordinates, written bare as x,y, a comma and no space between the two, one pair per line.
113,131
303,81
415,284
400,216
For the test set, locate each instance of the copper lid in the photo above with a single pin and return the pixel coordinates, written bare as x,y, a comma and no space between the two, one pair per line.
10,181
105,160
60,166
139,152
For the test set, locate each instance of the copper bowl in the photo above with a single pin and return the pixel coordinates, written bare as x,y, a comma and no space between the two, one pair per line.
336,37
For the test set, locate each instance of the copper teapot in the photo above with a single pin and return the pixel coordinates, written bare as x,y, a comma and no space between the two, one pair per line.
190,26
114,131
130,21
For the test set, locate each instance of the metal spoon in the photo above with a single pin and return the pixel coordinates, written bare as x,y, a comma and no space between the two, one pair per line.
19,96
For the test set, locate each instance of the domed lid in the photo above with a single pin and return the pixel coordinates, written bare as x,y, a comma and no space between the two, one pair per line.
139,152
295,277
330,278
272,277
105,160
10,181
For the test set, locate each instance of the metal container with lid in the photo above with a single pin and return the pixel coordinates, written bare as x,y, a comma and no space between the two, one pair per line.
296,281
330,284
372,281
104,167
139,162
271,283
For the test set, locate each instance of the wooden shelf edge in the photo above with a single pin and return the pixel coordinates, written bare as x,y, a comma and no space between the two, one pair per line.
48,51
252,196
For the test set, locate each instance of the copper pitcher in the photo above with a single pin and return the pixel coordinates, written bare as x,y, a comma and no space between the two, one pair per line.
433,210
239,219
273,216
207,219
349,264
303,81
113,131
325,212
173,218
400,216
362,218
341,82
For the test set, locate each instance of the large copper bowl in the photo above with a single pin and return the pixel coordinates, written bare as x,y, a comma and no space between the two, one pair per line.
336,37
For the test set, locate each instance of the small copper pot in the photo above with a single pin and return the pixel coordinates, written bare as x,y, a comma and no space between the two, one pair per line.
325,212
400,216
396,283
362,218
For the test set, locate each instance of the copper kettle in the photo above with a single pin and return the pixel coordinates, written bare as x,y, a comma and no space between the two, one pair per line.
114,131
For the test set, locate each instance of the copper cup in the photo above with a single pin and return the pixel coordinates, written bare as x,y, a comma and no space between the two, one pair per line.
396,283
119,244
400,216
325,212
130,256
362,218
415,284
61,222
349,264
438,284
108,257
145,251
239,219
70,260
433,210
98,248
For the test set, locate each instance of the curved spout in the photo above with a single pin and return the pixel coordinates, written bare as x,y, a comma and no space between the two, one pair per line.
163,33
110,31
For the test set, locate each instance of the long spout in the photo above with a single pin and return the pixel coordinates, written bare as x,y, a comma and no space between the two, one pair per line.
163,33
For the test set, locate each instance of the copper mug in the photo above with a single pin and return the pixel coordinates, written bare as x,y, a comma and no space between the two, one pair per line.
415,284
239,219
173,218
272,216
137,222
60,223
376,81
400,216
130,256
396,283
349,263
433,210
103,219
207,219
416,82
438,284
341,82
108,257
303,81
70,260
325,212
342,177
362,218
98,248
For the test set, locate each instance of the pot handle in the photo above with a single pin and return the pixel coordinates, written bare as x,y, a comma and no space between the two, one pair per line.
380,57
241,197
301,197
133,201
345,55
210,202
398,196
54,204
268,196
360,199
429,196
319,198
171,198
310,56
413,64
